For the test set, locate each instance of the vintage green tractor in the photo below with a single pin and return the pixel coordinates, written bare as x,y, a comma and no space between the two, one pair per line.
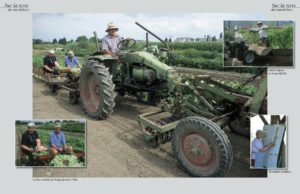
193,109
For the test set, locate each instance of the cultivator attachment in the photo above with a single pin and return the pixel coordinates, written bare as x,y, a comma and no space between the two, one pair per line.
193,118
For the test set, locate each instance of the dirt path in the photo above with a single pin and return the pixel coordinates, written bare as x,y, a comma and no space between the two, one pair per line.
115,147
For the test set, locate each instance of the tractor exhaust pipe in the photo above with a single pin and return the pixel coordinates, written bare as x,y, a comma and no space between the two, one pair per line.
158,38
96,41
147,40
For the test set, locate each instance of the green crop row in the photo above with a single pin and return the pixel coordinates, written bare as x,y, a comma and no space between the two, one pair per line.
70,127
77,48
194,53
205,46
276,38
199,63
204,55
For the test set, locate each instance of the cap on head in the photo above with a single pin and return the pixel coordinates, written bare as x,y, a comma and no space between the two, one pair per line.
51,52
71,53
31,124
57,125
111,26
259,22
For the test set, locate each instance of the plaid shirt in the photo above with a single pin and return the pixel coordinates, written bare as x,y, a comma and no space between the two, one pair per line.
110,43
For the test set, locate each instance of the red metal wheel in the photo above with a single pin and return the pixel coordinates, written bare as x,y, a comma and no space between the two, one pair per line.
198,151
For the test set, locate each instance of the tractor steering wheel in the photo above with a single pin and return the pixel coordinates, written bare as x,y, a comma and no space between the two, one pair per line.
126,43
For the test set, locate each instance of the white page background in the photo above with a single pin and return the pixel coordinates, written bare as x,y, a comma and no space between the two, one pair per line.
16,100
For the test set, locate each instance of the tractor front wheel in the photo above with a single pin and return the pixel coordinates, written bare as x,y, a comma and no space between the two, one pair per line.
202,147
97,93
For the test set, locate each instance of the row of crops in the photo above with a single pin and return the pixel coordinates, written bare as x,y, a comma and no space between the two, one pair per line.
70,127
200,55
276,37
203,55
75,126
77,142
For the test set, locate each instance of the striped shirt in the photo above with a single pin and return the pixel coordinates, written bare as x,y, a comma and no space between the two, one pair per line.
110,43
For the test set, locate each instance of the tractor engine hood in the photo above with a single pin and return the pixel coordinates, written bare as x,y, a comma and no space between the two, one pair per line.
149,60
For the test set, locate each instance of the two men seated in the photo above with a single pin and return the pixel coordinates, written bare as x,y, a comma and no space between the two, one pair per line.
50,61
31,142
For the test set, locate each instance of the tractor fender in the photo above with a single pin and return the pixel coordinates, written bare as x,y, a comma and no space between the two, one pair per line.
101,58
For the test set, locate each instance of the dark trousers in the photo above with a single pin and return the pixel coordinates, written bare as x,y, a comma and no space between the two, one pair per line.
252,162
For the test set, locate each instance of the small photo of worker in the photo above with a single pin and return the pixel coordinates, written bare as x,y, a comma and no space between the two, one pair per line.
258,43
268,148
51,143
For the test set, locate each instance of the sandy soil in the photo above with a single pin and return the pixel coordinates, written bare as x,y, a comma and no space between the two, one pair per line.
115,147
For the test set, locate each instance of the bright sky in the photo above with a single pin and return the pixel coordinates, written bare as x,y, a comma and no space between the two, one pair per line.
257,124
50,26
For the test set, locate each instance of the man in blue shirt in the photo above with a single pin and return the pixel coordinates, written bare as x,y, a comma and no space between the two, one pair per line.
258,146
71,61
58,142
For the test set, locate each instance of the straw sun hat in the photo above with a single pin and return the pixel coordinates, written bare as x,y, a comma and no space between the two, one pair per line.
111,26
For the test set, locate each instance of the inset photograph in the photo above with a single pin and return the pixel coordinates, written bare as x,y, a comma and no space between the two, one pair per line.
268,142
56,143
258,43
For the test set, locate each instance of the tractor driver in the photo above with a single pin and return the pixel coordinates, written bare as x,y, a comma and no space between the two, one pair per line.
50,62
111,40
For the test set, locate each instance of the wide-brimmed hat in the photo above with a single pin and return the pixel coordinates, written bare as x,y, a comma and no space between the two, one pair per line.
259,22
57,125
31,124
111,26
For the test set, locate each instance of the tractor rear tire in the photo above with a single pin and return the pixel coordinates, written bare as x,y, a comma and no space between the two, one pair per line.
249,57
202,148
96,87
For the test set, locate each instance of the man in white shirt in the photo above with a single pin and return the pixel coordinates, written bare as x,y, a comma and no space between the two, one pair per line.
262,33
111,40
258,146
